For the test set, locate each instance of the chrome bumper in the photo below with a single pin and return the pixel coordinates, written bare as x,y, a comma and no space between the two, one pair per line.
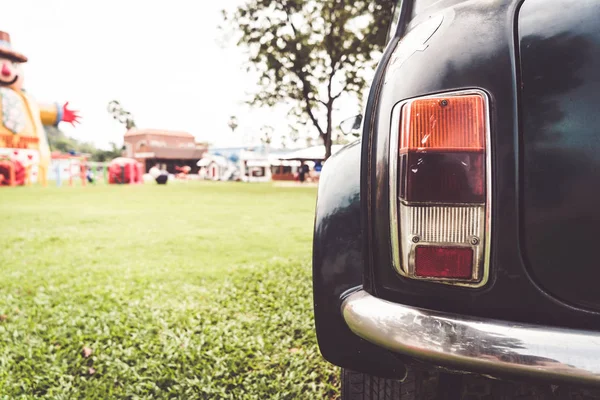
476,344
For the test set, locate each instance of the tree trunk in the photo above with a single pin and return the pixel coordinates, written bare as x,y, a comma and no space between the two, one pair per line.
327,139
327,147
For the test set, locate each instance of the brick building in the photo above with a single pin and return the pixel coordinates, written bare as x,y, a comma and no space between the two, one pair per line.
169,149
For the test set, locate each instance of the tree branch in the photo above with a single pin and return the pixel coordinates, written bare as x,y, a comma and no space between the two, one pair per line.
312,67
337,96
308,108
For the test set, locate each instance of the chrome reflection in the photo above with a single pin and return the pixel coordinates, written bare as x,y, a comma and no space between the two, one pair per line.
475,344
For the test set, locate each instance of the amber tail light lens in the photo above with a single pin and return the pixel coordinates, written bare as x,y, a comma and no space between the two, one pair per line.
439,184
442,124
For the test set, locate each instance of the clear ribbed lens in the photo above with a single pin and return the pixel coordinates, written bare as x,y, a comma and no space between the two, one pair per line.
441,226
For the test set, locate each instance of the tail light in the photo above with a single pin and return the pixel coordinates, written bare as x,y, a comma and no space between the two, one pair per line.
440,187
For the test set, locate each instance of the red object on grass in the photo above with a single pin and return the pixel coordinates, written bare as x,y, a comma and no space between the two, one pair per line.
124,170
5,167
444,262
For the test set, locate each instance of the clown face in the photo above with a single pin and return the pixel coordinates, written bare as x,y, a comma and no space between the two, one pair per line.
11,74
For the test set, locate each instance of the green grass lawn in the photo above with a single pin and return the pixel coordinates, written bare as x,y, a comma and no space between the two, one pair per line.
198,290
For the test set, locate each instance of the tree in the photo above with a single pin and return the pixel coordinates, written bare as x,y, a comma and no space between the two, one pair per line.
309,141
294,135
267,135
311,52
233,123
58,141
107,155
341,139
120,114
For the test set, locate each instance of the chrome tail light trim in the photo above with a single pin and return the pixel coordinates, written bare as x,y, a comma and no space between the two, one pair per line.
484,242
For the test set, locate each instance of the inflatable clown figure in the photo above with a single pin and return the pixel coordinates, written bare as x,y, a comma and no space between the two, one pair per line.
23,143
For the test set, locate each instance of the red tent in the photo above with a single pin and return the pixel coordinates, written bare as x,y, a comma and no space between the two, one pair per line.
5,172
124,170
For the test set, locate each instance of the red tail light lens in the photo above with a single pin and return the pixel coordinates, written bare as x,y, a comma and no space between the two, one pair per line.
444,262
439,184
448,177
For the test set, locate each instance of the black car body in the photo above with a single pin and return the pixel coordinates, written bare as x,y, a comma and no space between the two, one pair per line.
532,311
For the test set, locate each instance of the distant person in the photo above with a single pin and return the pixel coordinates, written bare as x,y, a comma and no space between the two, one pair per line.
317,170
90,176
306,171
301,173
161,177
183,171
154,172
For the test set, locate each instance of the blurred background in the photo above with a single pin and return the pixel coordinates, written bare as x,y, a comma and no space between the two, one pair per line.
159,164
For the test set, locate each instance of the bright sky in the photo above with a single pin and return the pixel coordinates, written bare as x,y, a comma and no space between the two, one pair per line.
165,61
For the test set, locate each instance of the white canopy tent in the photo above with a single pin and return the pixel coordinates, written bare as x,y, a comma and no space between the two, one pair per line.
215,167
314,153
210,158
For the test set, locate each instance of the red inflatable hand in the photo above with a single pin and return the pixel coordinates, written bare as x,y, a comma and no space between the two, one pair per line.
70,116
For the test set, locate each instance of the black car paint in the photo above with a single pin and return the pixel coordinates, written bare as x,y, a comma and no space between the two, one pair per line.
476,46
337,266
560,67
337,343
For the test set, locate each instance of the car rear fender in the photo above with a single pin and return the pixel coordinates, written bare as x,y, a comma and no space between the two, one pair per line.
338,265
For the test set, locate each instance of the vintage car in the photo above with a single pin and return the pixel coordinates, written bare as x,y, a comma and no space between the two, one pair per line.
455,243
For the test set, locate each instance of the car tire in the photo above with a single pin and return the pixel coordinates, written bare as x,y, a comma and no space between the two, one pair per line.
480,388
359,386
